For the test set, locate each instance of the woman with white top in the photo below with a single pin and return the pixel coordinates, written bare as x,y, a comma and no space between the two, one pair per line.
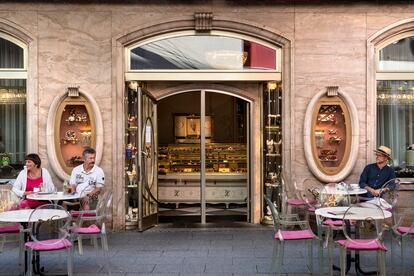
32,178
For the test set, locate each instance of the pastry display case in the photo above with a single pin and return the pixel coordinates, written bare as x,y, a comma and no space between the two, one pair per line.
131,162
331,134
179,173
272,149
75,129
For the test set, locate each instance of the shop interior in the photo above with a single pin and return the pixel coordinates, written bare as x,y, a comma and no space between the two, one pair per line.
226,157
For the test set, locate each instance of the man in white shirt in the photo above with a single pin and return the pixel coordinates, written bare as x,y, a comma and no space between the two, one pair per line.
87,178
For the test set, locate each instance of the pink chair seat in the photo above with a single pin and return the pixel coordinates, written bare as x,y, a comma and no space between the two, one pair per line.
360,244
331,222
296,202
49,245
10,229
405,229
311,209
92,229
294,234
84,214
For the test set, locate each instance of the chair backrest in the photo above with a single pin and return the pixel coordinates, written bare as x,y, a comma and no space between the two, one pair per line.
49,222
8,200
333,195
275,213
89,203
367,221
389,192
310,192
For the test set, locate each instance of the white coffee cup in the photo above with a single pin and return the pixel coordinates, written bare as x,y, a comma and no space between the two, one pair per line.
36,190
355,186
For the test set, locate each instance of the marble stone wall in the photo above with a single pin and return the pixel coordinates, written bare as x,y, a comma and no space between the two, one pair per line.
73,44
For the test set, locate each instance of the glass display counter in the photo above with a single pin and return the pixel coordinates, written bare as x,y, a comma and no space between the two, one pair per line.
179,173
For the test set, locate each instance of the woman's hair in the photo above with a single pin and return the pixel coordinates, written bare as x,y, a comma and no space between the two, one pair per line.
34,158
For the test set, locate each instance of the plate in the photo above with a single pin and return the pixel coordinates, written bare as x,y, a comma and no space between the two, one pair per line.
44,193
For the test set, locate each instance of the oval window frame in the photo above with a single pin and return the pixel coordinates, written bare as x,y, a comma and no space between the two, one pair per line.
345,168
52,120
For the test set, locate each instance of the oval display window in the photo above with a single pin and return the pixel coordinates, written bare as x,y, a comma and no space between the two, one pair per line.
331,135
74,131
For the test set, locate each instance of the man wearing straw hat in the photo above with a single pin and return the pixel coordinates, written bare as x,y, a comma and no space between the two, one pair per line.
376,174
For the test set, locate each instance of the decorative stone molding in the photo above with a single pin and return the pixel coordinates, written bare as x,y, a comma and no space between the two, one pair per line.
307,138
50,132
203,21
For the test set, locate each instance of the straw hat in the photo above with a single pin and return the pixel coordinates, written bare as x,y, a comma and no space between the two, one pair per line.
385,151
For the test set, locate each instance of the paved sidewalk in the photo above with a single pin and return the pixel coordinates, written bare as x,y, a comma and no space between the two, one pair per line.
189,251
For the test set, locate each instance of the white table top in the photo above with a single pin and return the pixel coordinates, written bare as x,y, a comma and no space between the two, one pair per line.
358,213
333,190
53,196
23,215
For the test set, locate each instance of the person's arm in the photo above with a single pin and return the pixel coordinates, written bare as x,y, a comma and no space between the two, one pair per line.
47,181
18,184
363,180
72,182
100,182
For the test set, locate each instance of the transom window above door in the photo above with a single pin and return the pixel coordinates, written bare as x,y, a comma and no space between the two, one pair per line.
216,51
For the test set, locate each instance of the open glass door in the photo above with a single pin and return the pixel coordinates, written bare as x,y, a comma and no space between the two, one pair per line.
147,161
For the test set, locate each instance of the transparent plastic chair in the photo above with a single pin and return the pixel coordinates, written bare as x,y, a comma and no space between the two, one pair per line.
367,234
282,227
403,230
49,231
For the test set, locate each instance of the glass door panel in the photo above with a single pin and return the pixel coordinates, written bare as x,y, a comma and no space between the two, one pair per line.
179,157
226,166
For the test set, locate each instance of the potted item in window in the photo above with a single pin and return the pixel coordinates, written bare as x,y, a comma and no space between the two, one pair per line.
70,137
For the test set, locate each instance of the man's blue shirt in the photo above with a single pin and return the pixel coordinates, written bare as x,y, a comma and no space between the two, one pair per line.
375,177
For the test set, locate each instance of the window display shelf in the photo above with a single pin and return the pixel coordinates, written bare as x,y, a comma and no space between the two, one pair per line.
75,128
331,138
272,144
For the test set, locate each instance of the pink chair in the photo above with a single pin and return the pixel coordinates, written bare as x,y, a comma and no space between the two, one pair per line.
368,235
49,234
96,219
291,198
281,225
8,201
404,230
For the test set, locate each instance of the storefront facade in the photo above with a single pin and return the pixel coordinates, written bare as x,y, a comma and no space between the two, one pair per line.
85,49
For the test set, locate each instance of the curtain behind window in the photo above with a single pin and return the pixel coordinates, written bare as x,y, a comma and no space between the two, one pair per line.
395,119
13,119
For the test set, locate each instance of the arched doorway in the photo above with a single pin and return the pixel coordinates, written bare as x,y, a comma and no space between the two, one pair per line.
251,82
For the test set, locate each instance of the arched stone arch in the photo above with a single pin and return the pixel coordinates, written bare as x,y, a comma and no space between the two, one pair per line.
220,23
373,42
23,35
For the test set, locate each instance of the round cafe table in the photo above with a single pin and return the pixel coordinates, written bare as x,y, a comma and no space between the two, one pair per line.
23,215
334,190
55,197
358,213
